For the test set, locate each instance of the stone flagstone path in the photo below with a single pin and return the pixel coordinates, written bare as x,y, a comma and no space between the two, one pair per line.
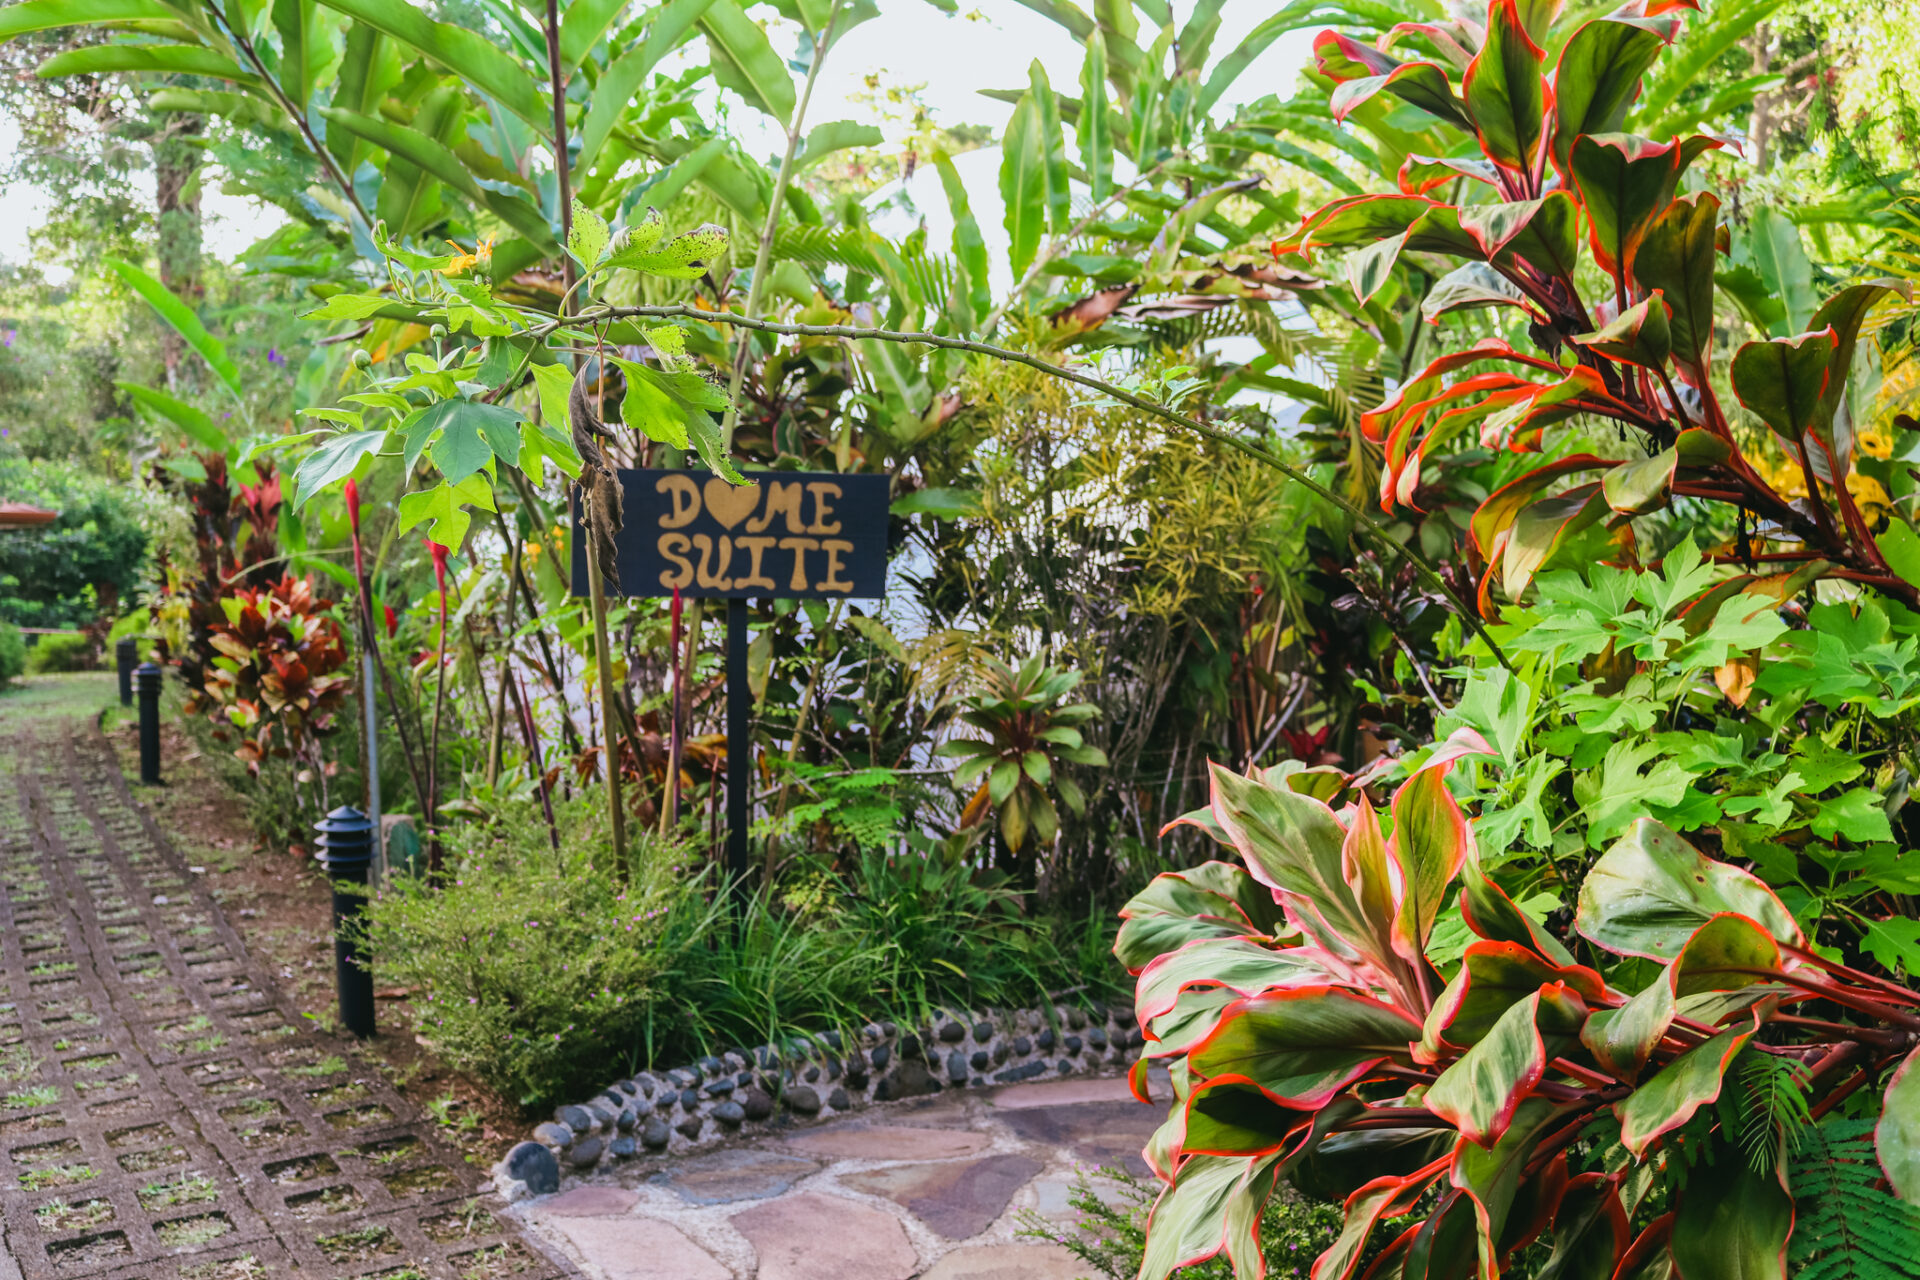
164,1113
930,1188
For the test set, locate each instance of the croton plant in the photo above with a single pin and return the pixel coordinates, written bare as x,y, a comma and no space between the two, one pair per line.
1633,1100
1587,234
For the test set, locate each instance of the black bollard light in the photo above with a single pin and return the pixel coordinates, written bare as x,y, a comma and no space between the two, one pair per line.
146,682
126,655
346,851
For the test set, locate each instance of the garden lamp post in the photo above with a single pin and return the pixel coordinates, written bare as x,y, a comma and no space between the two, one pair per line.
146,681
346,851
126,655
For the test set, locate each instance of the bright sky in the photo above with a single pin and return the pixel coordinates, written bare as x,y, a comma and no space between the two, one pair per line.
910,43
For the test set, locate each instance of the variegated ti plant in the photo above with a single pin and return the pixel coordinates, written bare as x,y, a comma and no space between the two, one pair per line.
1526,1099
1531,179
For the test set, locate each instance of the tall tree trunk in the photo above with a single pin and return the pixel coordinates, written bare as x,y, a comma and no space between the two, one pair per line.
176,180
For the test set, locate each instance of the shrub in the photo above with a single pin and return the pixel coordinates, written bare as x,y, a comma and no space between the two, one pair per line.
537,970
13,653
1663,1090
60,653
65,573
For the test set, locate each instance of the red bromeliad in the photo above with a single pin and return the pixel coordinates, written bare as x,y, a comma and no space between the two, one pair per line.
1554,172
1309,1036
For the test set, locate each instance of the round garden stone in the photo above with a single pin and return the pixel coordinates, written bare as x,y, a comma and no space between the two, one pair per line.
1097,1038
1046,1040
839,1100
690,1128
983,1031
981,1060
812,1075
578,1119
953,1033
625,1121
1073,1045
881,1056
711,1065
1076,1018
1000,1053
730,1114
586,1153
623,1147
957,1067
605,1117
553,1134
804,1099
689,1099
534,1164
1022,1045
756,1104
720,1087
655,1135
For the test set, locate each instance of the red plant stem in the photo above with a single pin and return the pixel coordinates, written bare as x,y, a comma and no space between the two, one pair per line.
1892,989
1590,1076
1840,1029
1840,1094
1841,996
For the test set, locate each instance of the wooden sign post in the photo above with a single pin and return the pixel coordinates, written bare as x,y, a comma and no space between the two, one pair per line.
808,534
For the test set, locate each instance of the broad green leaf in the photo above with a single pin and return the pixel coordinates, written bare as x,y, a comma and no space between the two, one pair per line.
1722,956
1776,252
471,435
197,423
1429,846
1845,313
1023,184
686,256
1897,1136
1622,1039
582,25
1677,257
941,503
1053,148
46,15
1733,1223
333,461
1784,381
969,246
1481,1091
622,79
1635,488
1625,183
1506,92
1094,128
163,59
1492,1176
1229,1116
837,135
1682,1087
445,504
745,62
408,199
1236,963
1639,335
1489,912
589,236
1859,815
432,156
1598,76
184,322
1493,977
1650,892
467,54
1303,1047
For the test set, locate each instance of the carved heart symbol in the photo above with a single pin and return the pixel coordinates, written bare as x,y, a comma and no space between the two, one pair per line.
729,504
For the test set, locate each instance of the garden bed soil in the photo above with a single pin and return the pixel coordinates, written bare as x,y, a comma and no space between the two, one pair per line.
279,902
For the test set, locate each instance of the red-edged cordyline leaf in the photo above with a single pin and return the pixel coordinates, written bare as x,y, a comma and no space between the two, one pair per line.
1195,1013
1637,336
1342,58
1365,863
1598,77
1350,223
1625,181
1431,842
1213,1204
1489,912
1897,1137
1162,1150
1414,414
1590,1230
1493,226
1400,474
1387,1197
1427,383
1420,174
1492,1178
1506,95
1651,891
1294,845
1239,964
1493,977
1494,516
1677,255
1541,529
1480,1092
1723,955
1418,84
1234,1116
1304,1045
1679,1089
1784,382
1518,427
1213,900
1446,39
1622,1039
1844,313
1635,488
1733,1224
1646,1257
1472,286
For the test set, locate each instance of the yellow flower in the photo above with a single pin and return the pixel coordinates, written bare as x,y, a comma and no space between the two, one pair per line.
464,261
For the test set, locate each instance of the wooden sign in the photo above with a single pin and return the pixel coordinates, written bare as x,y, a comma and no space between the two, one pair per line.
812,534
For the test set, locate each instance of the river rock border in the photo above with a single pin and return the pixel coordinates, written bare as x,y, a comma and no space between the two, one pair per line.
666,1113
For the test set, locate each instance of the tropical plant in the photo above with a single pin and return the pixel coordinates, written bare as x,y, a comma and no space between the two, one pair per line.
1544,168
1646,1107
276,674
1030,730
13,654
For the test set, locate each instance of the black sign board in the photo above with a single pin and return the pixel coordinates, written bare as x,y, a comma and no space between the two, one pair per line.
810,534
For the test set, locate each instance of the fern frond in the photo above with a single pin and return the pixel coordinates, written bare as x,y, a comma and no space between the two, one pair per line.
1847,1227
1773,1107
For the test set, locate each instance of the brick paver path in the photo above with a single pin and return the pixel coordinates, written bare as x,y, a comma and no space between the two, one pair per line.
164,1112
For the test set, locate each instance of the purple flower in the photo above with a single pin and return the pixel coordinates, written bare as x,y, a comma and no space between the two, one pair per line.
273,356
6,339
